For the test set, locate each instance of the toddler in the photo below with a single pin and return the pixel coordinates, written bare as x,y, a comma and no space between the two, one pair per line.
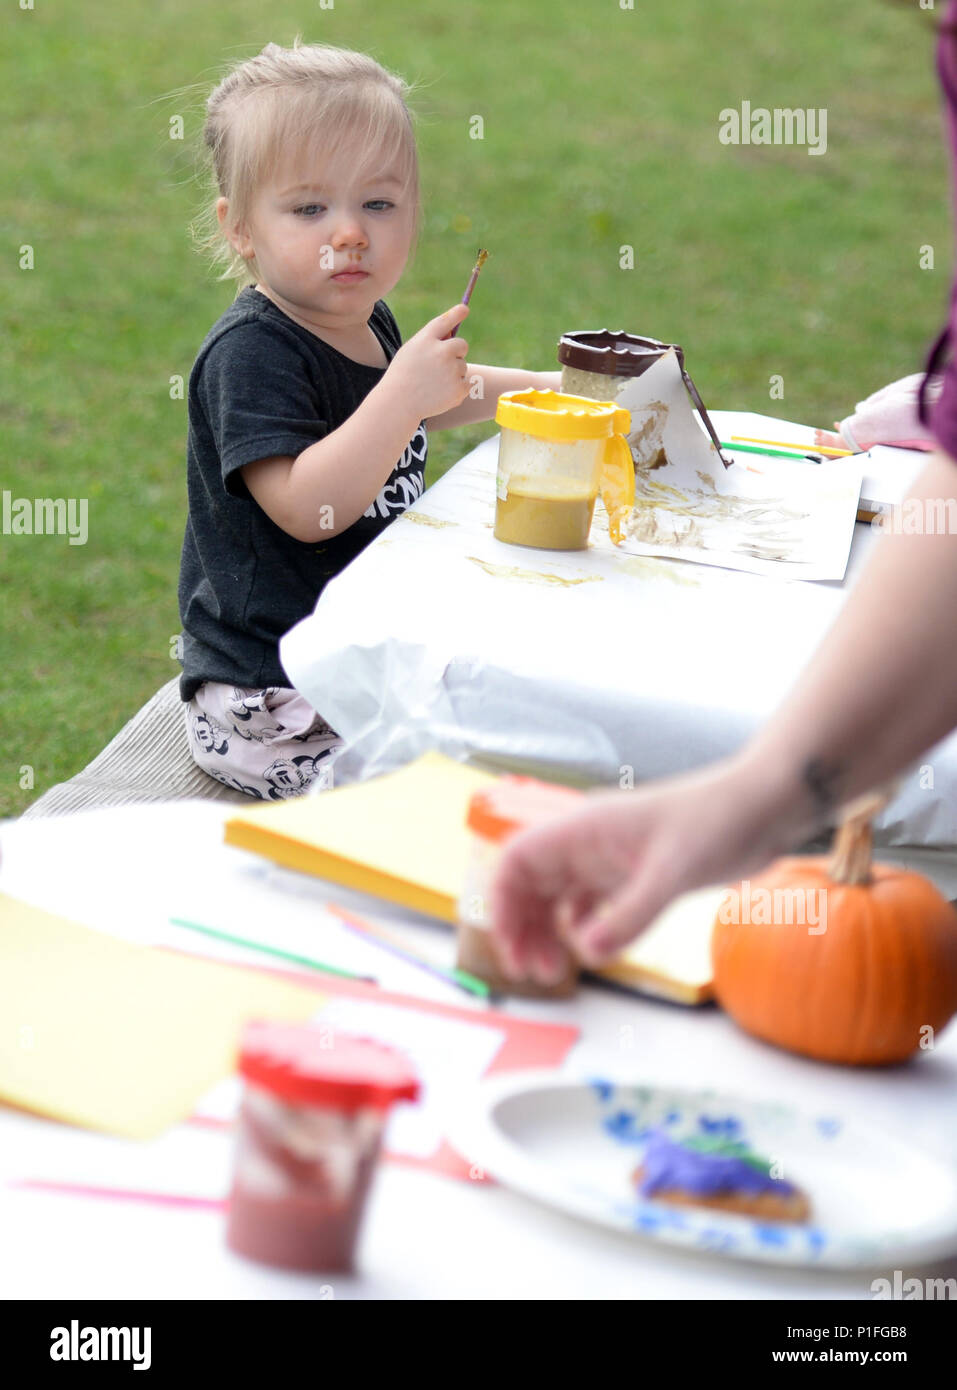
308,417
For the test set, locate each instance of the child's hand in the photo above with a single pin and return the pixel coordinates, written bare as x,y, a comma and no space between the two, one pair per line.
430,368
889,416
824,439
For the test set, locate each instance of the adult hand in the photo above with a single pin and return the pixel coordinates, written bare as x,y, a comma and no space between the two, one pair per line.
593,880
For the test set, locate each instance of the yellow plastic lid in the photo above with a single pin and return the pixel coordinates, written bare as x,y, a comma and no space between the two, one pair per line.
554,415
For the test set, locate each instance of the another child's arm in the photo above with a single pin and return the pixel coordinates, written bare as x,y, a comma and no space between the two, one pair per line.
327,487
889,416
485,385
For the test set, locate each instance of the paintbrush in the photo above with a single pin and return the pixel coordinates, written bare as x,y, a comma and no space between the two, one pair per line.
482,258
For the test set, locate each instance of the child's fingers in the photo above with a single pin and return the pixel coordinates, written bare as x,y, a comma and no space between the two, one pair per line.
826,440
444,324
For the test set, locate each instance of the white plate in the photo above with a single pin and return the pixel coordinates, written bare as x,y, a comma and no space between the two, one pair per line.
574,1144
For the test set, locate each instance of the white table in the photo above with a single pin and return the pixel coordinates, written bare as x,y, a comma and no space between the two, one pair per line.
572,664
127,870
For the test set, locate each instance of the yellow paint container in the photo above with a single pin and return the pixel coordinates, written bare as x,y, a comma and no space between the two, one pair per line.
556,454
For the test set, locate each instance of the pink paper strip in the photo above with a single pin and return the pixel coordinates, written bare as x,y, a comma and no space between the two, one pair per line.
121,1194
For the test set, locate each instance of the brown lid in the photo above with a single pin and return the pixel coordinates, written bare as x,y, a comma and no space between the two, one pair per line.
625,354
611,354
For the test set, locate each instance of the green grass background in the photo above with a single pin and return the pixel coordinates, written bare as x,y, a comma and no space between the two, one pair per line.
600,130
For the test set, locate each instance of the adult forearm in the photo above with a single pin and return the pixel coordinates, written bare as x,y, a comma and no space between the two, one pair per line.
331,483
882,687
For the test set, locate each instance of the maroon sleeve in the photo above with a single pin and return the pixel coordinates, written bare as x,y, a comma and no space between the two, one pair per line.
941,418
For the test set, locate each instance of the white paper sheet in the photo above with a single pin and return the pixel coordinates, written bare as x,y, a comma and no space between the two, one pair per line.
889,473
448,1054
767,516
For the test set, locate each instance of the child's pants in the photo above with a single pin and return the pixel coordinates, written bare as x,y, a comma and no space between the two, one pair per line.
270,743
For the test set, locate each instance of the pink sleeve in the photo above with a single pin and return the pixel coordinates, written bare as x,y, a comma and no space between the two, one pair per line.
890,416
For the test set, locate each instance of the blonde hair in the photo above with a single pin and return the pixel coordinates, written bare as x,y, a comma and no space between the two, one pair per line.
311,101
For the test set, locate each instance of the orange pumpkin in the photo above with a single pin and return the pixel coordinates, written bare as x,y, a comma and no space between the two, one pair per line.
838,958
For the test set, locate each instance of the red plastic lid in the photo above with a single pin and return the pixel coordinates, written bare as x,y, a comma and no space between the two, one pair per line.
321,1066
515,803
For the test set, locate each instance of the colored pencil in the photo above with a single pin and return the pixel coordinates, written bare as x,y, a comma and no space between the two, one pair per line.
272,951
470,983
122,1194
786,444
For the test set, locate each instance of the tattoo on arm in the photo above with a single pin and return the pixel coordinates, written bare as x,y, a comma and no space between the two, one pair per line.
822,781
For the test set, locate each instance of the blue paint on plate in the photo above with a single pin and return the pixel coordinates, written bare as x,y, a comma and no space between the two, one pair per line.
623,1125
767,1234
726,1126
604,1090
816,1238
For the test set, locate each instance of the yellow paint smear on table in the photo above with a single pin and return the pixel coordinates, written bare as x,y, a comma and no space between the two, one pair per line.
424,519
530,576
646,567
114,1036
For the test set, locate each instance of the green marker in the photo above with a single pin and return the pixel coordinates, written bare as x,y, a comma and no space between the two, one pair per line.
471,983
775,453
271,950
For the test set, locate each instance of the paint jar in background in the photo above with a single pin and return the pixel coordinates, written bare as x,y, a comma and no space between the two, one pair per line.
494,815
556,453
314,1108
601,364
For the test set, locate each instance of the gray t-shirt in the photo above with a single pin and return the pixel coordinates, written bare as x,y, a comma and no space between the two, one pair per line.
263,385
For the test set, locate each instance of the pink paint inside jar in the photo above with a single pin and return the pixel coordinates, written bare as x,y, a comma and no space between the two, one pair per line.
313,1113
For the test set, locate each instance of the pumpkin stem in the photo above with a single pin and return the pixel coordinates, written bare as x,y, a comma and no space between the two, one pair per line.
854,840
851,852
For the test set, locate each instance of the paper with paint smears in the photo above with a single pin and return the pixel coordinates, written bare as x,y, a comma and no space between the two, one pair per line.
770,516
118,1037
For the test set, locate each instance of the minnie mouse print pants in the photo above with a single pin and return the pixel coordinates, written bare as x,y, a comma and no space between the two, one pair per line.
270,744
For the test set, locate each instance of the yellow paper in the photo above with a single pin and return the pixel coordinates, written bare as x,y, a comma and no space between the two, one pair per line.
401,837
118,1037
672,957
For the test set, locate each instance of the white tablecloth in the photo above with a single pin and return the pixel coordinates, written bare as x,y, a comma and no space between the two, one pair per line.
575,664
126,870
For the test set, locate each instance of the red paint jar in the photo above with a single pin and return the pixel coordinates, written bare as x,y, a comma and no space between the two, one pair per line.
313,1112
